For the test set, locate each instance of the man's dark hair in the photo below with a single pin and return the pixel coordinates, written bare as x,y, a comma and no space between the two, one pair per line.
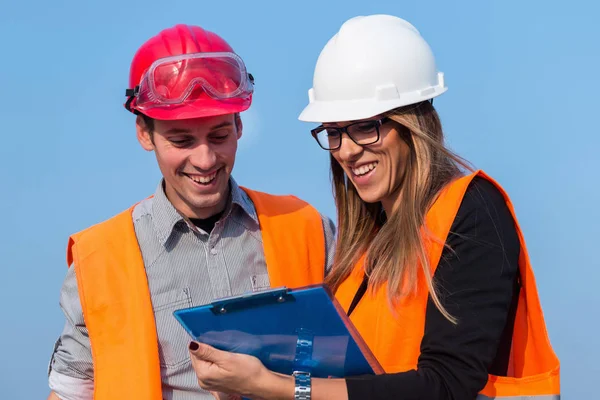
149,122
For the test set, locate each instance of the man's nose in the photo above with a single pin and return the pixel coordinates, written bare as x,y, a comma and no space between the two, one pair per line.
203,157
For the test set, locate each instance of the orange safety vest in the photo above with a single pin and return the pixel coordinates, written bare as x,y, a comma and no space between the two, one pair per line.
116,302
533,367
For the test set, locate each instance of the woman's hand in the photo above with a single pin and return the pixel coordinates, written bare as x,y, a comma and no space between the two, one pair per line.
225,396
237,374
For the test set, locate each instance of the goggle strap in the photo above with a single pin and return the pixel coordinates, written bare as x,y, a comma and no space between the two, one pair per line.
131,93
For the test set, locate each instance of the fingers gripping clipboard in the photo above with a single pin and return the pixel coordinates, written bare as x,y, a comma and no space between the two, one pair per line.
289,330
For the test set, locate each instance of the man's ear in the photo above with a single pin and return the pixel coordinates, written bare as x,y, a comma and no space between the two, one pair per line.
144,136
239,125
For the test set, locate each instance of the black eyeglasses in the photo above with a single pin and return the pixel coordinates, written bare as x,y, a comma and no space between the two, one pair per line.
362,133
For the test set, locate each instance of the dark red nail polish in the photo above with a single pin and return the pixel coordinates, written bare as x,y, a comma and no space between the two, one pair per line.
194,346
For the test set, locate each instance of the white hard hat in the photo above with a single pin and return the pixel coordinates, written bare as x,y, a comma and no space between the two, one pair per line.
372,65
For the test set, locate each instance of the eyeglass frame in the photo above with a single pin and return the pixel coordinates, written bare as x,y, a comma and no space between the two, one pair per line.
379,123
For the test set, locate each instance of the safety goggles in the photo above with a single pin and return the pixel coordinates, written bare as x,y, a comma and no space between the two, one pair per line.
177,79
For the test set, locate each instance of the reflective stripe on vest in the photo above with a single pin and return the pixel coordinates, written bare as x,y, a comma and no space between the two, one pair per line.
115,297
534,369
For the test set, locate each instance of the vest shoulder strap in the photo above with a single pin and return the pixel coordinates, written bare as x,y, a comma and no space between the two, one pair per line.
293,239
117,309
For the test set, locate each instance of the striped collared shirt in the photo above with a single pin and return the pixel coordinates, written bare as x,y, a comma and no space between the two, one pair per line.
185,267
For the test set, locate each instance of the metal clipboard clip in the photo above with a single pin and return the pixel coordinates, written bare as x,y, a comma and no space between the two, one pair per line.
256,299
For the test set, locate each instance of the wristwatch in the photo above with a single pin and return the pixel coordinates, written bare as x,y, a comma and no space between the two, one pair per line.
302,389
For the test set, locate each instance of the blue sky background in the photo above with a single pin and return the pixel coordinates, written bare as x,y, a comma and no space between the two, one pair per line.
523,80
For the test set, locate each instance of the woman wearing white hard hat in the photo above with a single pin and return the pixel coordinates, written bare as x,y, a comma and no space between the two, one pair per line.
430,263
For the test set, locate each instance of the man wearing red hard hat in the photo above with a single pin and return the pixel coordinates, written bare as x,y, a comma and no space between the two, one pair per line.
198,238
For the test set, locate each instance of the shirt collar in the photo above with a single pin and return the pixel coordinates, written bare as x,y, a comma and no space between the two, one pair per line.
166,217
240,198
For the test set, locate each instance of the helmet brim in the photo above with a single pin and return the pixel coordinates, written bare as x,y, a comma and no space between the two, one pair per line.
198,109
354,110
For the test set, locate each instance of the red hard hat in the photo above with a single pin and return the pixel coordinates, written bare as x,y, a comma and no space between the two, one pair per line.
176,41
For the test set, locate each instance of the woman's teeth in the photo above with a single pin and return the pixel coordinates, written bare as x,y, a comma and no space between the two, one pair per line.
363,169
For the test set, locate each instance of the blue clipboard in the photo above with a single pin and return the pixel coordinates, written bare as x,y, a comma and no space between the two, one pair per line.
289,330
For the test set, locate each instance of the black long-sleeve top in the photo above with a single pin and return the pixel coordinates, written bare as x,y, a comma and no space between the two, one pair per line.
479,286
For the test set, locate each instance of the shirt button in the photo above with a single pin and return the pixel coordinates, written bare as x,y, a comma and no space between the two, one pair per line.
213,251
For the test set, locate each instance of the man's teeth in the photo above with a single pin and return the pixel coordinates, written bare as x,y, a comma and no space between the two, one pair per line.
203,179
363,169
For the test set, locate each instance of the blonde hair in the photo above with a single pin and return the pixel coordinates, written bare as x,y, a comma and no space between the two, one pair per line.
393,244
